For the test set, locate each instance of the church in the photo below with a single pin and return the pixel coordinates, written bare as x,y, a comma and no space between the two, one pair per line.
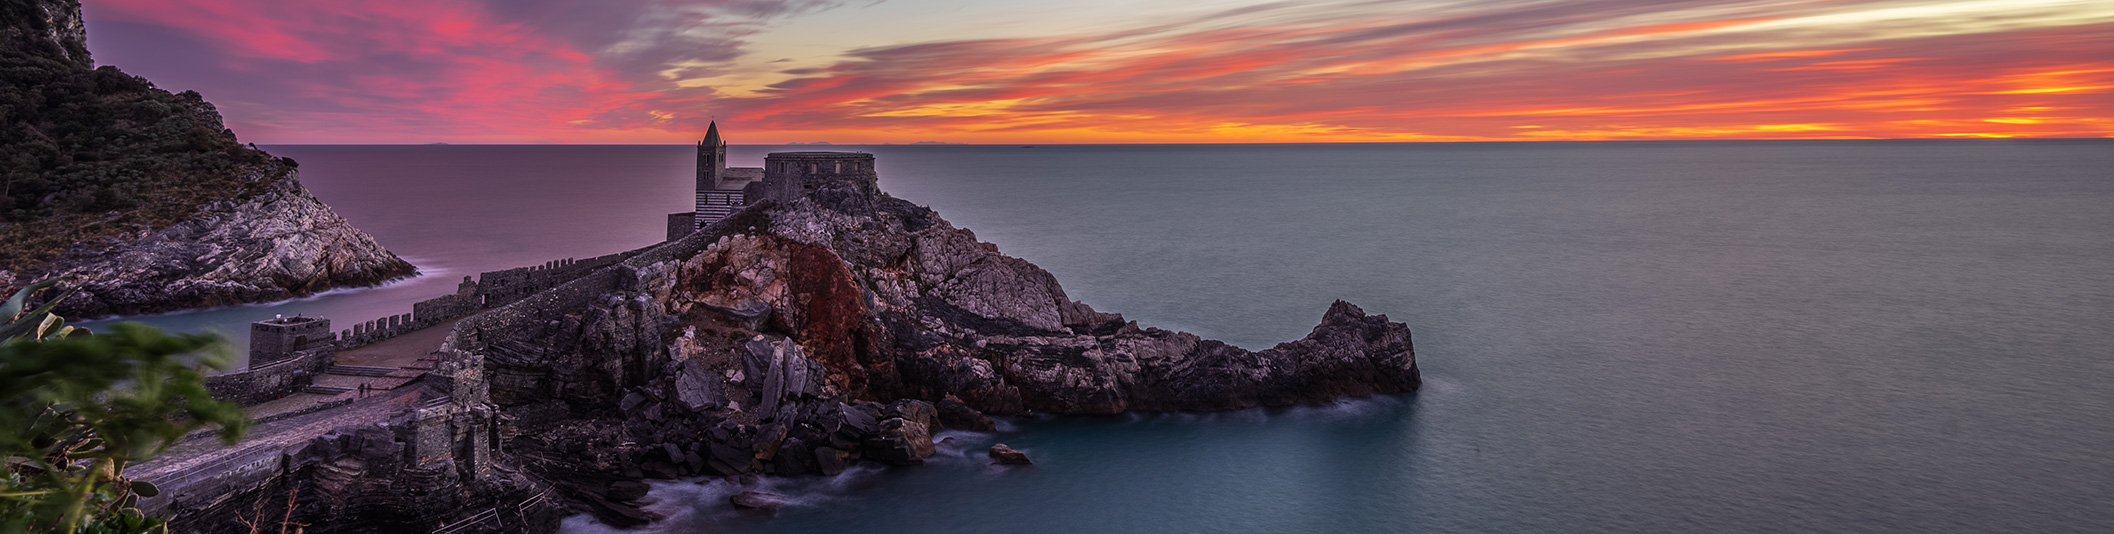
784,177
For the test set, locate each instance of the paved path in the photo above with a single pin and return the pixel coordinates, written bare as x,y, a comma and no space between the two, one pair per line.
401,350
202,450
383,366
405,356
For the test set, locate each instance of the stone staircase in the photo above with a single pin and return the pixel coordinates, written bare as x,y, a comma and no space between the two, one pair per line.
360,370
325,390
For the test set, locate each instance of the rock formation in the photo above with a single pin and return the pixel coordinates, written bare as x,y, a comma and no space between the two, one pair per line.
800,338
1002,455
143,196
277,245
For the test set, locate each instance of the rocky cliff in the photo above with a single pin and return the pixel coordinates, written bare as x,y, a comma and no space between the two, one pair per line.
279,244
144,196
844,327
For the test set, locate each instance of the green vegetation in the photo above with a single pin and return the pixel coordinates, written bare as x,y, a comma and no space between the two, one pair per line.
87,154
76,408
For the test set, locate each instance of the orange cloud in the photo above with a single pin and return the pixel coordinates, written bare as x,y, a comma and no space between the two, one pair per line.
472,70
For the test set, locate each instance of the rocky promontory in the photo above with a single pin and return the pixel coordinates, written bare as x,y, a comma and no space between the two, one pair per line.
279,244
803,337
142,196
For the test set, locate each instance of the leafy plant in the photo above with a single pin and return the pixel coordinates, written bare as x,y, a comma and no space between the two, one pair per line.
76,409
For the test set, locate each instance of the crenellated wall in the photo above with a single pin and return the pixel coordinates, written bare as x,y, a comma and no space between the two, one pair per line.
272,380
277,370
489,290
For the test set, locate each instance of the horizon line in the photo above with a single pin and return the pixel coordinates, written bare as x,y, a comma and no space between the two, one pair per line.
1523,141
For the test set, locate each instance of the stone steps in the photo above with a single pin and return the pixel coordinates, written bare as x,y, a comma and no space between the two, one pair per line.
326,390
360,370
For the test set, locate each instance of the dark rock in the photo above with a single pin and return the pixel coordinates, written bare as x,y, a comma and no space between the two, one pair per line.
657,468
900,442
697,388
955,415
727,460
831,461
794,459
857,422
1007,456
625,490
915,411
757,500
768,440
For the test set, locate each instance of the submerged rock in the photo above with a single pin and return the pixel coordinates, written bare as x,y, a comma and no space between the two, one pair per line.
757,500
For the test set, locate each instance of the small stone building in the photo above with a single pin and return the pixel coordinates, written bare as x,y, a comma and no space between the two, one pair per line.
279,338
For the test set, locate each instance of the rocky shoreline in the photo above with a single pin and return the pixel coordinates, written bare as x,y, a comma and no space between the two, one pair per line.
280,244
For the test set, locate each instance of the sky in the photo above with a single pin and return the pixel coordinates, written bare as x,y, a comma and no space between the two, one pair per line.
1123,71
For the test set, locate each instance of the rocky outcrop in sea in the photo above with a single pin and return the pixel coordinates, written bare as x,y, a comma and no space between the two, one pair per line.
802,338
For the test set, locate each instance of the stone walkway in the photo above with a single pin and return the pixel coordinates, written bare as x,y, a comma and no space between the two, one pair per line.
199,452
382,366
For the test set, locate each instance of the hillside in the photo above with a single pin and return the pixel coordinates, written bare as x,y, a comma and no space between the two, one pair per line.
142,194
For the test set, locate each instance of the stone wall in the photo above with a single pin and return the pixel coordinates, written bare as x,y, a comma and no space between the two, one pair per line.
790,175
489,290
272,380
681,224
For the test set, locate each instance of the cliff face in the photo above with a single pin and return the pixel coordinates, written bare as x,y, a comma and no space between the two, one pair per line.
843,327
144,196
280,244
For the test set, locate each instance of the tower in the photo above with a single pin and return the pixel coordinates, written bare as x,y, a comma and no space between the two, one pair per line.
282,337
711,163
719,187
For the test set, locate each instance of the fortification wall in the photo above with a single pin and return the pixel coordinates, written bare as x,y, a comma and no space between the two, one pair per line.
491,289
474,338
272,380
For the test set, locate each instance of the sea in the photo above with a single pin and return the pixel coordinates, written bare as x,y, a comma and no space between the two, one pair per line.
1675,336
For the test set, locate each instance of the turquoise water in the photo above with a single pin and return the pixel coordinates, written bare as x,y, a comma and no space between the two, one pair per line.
1868,336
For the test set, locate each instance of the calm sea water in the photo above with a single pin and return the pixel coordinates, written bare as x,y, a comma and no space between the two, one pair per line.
1840,336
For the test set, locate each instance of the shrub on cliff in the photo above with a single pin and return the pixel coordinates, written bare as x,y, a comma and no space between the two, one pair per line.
76,408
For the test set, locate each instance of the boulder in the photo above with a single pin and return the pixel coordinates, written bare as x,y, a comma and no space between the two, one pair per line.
794,459
768,440
697,388
900,442
727,460
915,411
953,414
831,461
1004,455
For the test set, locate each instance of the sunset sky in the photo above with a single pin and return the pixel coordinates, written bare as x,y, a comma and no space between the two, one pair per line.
1123,71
